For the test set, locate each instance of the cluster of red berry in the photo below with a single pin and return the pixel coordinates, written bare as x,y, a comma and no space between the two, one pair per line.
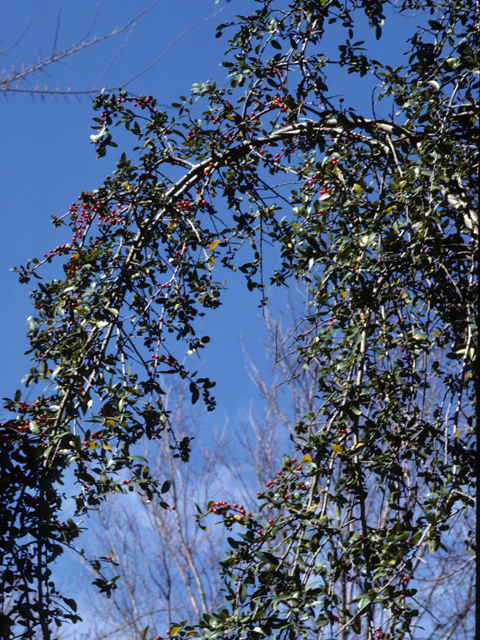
191,135
279,102
113,107
73,266
223,507
87,442
23,426
228,137
185,205
58,251
37,415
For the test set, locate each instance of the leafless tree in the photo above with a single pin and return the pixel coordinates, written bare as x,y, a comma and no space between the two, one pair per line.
27,77
171,572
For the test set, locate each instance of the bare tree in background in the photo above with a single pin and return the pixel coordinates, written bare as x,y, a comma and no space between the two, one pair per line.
22,75
171,573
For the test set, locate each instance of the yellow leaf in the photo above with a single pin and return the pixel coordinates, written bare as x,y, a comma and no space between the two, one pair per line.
237,517
190,634
337,448
93,445
305,460
344,294
175,630
455,433
357,188
356,446
110,423
213,245
106,445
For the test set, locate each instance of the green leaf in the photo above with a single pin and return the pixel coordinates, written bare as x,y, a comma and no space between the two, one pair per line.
166,486
264,556
242,592
195,392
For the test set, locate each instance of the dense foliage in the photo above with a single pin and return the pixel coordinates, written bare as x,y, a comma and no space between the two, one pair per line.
283,181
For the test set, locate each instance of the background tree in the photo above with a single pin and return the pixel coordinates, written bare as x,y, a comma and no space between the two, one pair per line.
29,77
171,571
151,592
377,214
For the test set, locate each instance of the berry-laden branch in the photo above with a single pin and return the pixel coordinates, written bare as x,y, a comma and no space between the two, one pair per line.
375,219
